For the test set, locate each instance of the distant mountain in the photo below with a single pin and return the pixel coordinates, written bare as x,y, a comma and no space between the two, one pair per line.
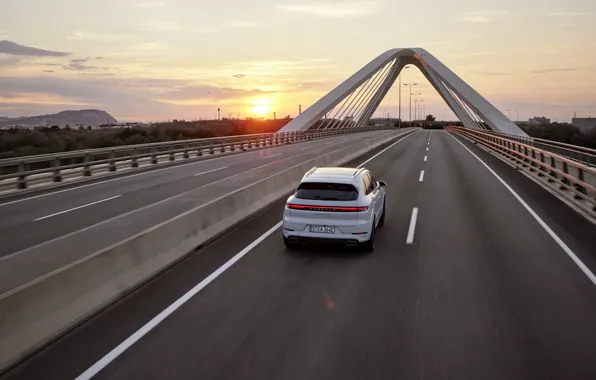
72,118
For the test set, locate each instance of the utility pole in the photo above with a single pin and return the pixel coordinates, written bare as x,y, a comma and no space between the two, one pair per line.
410,84
300,109
400,98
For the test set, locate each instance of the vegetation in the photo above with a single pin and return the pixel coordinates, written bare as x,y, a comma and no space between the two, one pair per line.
26,142
562,132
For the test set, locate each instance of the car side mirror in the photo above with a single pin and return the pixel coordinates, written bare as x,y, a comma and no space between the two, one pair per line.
383,184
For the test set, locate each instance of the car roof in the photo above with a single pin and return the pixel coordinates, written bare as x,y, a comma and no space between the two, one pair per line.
334,174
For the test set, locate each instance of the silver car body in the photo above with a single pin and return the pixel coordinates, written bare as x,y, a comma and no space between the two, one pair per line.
334,203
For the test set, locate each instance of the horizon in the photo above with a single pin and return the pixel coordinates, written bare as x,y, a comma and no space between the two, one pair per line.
159,60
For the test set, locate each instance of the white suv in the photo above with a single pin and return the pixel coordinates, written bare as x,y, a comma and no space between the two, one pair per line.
335,204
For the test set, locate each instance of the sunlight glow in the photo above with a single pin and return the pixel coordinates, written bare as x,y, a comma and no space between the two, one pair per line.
261,106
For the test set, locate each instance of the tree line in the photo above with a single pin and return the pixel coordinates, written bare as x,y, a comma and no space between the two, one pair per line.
27,142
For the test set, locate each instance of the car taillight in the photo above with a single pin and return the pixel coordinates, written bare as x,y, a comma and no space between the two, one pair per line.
292,206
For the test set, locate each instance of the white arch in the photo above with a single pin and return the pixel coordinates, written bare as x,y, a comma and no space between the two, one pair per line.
443,79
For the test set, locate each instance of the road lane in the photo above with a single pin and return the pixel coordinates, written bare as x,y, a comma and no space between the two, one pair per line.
482,292
66,358
17,232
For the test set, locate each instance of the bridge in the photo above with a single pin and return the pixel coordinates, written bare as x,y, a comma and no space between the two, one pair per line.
166,260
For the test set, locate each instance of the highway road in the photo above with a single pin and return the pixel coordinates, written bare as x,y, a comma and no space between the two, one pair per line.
42,232
471,285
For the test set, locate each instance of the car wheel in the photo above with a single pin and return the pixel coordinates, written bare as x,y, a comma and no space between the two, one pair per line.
382,220
369,245
289,244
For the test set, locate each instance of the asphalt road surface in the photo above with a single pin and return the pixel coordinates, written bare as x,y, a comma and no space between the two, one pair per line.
473,288
44,232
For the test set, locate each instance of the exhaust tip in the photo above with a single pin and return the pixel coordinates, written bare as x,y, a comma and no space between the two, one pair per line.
351,243
294,240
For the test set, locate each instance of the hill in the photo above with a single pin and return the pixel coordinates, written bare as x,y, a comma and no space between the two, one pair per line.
72,118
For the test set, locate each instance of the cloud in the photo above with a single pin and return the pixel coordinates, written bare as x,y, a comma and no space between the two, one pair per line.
475,19
481,16
546,71
239,76
493,73
206,29
149,47
78,65
160,25
241,24
11,48
97,37
150,4
48,71
569,14
564,25
338,9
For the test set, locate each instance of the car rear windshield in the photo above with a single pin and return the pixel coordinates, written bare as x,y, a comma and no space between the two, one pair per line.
326,191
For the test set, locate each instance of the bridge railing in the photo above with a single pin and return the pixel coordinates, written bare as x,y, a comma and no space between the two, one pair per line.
573,178
24,172
574,152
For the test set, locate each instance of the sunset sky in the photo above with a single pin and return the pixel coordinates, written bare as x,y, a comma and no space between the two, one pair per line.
144,60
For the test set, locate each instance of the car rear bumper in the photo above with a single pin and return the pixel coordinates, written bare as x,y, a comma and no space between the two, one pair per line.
341,235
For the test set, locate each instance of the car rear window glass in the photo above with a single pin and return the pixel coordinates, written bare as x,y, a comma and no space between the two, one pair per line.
326,191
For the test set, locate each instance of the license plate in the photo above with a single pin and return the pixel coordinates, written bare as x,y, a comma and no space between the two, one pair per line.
322,229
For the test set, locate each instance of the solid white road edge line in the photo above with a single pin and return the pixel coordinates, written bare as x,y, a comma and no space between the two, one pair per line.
421,176
76,208
538,219
412,228
128,342
103,362
209,171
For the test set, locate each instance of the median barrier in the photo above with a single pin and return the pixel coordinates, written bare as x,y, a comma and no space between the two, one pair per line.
34,314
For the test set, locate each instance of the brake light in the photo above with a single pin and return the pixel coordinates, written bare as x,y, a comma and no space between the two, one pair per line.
292,206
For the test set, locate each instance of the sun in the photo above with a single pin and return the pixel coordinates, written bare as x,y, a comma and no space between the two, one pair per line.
261,107
260,110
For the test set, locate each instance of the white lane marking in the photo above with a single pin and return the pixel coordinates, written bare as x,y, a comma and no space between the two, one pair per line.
425,158
76,208
412,229
210,171
384,150
421,176
427,149
273,155
25,250
103,362
538,219
428,143
310,147
135,175
128,342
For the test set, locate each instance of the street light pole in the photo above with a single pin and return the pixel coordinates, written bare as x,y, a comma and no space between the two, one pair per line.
410,84
407,67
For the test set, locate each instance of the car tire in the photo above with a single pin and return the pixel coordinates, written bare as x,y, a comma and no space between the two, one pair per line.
369,245
289,244
382,220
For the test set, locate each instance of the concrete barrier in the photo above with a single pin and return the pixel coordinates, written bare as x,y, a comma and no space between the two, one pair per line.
37,312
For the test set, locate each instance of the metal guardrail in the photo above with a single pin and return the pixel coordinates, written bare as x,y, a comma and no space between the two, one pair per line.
573,176
22,172
574,152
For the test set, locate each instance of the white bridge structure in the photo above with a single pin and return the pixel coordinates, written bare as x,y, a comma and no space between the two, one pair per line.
352,103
